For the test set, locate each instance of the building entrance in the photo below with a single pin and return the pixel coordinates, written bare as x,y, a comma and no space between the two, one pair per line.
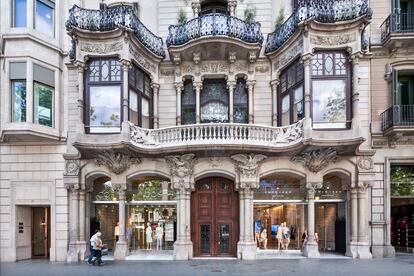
40,232
215,218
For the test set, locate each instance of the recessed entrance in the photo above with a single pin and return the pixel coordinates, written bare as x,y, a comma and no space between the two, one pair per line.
40,232
215,217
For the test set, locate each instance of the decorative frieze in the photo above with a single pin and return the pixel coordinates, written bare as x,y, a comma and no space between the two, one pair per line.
214,67
290,54
333,40
142,61
262,69
318,159
116,162
72,167
141,136
167,72
101,48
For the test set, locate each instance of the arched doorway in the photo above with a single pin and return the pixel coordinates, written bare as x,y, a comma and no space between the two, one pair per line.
215,217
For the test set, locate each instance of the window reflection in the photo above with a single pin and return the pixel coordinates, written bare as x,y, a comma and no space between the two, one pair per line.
105,109
43,104
44,16
214,102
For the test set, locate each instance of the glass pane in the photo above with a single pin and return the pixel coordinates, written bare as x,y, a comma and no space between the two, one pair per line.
105,109
329,103
224,237
285,110
44,18
291,76
317,68
241,115
214,102
140,80
43,104
152,190
188,116
240,93
105,70
133,107
205,239
147,86
340,64
115,70
20,13
39,232
279,188
94,71
145,113
402,179
19,101
298,112
329,64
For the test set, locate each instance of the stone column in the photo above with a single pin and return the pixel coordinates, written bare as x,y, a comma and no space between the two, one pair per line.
81,105
82,224
355,93
198,86
363,244
250,86
274,84
126,65
121,248
73,255
231,6
311,249
178,88
155,92
182,180
353,220
247,181
307,59
231,85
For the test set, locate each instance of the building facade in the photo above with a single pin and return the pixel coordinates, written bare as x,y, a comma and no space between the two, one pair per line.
206,128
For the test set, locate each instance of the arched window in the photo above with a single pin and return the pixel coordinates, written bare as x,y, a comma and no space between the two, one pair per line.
103,96
240,102
208,7
331,90
188,104
290,99
214,101
140,98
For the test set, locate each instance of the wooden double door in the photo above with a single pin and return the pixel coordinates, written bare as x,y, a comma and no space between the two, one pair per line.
215,217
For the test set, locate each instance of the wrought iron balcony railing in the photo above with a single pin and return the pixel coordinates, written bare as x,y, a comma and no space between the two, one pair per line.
324,11
214,25
112,18
397,23
397,115
217,133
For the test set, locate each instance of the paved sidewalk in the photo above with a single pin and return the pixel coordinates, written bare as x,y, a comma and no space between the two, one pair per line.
402,265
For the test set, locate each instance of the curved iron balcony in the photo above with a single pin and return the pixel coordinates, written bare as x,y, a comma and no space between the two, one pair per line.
214,25
112,18
324,11
217,134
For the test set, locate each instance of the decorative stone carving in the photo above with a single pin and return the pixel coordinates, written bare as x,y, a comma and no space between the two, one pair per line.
364,185
240,66
232,57
332,40
167,72
188,69
72,167
196,58
289,133
252,56
262,69
316,160
312,187
116,162
181,169
247,164
215,161
142,60
365,163
71,186
289,55
214,67
101,48
141,136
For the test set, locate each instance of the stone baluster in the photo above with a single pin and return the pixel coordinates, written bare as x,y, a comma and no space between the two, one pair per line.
182,180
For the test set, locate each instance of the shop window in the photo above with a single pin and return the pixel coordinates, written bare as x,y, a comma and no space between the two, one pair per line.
19,13
331,91
402,181
18,91
240,102
214,102
140,98
45,13
290,99
44,95
188,104
103,99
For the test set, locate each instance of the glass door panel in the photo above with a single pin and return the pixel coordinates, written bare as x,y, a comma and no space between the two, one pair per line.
40,233
224,238
205,237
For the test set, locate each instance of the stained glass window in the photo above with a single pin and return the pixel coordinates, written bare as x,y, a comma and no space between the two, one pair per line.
214,101
188,104
240,102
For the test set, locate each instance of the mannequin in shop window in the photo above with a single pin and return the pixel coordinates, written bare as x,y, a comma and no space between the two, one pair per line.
148,233
160,233
279,236
263,239
286,236
116,231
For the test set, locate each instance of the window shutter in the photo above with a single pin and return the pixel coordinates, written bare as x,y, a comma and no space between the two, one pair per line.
17,70
43,75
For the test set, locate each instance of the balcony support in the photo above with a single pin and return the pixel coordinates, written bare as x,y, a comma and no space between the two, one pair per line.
231,85
198,86
178,88
250,86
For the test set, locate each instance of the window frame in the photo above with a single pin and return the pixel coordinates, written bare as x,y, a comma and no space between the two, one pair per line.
49,4
53,103
290,91
141,94
244,105
187,106
86,95
205,84
12,81
348,90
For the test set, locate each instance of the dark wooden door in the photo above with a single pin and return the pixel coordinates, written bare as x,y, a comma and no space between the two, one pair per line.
215,217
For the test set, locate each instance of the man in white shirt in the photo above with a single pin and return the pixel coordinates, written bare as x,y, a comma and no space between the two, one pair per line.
91,242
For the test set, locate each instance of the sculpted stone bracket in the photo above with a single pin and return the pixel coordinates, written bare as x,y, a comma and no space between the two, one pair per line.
182,171
72,167
116,162
247,169
317,159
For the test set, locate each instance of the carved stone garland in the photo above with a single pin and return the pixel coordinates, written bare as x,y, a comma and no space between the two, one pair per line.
116,162
316,160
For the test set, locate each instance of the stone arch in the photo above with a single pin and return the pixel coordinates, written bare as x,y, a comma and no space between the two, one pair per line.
215,172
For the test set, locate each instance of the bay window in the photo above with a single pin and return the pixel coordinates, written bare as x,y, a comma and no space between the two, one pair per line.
240,102
140,98
43,86
188,104
290,96
330,91
44,16
103,100
18,91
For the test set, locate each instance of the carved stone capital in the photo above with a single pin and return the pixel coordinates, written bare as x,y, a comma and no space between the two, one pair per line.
179,86
116,162
355,58
198,85
316,160
306,59
72,186
250,84
72,167
312,187
196,58
247,169
155,87
196,6
365,163
232,57
81,66
252,56
176,59
126,64
231,84
181,169
363,186
274,84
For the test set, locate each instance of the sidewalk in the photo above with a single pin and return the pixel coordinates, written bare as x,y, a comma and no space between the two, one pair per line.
402,265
